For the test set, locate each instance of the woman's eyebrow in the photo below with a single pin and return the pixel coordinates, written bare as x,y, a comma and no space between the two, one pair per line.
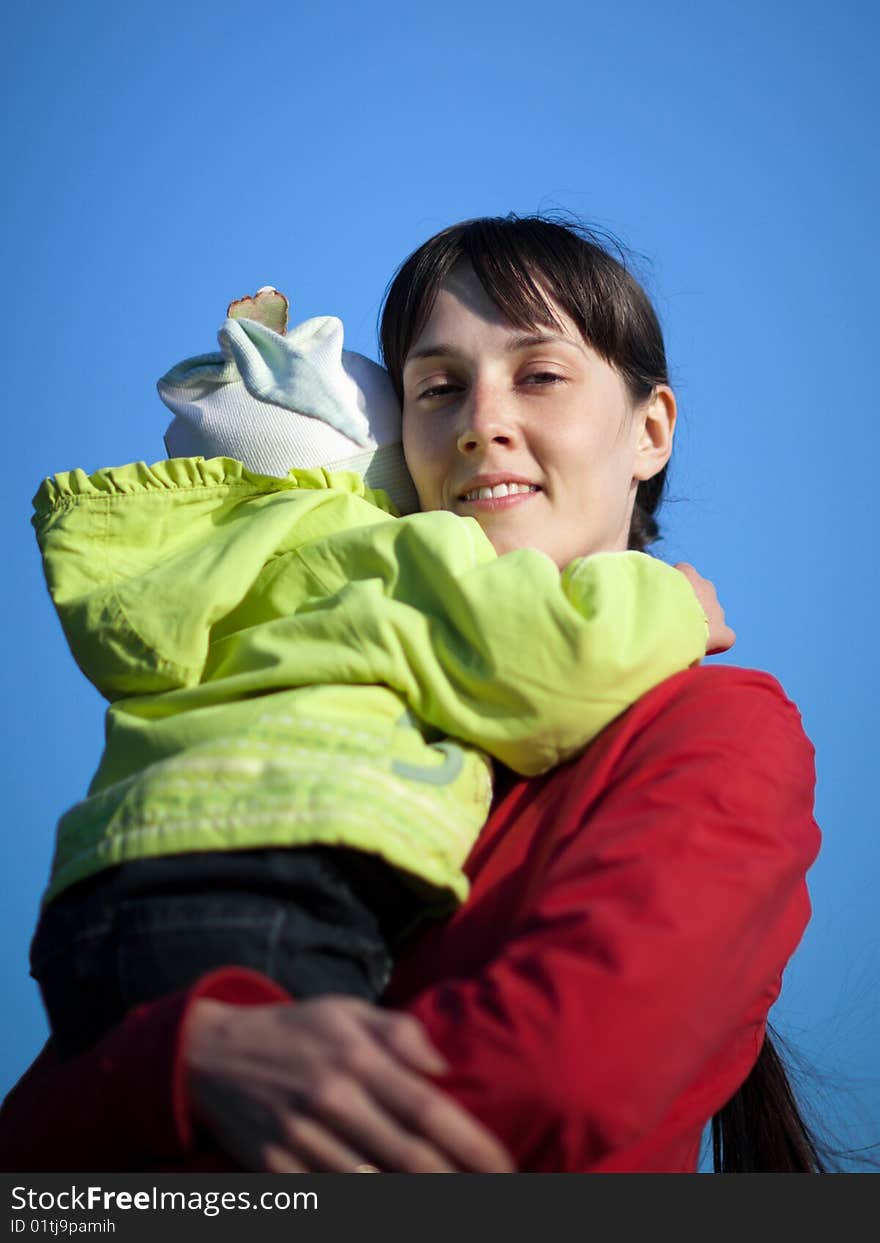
430,351
442,349
538,338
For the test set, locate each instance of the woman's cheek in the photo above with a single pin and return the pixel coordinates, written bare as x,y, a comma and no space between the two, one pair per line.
422,458
418,466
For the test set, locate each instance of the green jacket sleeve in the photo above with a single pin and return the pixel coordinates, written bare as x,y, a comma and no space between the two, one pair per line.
195,584
504,653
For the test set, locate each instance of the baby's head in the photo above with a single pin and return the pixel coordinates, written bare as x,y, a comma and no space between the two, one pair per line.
276,400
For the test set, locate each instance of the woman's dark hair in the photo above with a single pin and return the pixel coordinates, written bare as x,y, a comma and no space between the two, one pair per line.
520,260
517,259
760,1130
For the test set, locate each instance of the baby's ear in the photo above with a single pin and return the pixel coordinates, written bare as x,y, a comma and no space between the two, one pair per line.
267,307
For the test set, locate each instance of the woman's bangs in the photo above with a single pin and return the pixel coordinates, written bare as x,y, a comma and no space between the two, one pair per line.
514,275
533,269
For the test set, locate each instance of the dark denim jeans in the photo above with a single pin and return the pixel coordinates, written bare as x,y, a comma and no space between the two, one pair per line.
314,920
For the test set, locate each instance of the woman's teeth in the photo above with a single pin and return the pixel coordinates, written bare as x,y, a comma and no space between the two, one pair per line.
500,489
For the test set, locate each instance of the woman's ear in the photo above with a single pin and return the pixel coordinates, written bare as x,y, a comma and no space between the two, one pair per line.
656,422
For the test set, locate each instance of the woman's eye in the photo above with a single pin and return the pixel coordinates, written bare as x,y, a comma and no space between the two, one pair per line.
533,379
439,390
543,377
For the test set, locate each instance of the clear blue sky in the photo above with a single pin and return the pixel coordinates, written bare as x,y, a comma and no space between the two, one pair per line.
161,159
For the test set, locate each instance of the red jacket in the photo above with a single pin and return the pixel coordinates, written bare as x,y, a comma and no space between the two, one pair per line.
602,993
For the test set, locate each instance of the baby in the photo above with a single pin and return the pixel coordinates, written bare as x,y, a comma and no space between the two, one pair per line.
306,688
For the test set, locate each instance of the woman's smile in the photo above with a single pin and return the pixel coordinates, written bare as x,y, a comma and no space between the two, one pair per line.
489,492
488,500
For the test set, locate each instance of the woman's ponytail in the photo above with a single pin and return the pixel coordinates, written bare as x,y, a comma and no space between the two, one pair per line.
760,1130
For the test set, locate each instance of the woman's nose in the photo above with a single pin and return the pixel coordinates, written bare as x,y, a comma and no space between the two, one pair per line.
484,423
474,439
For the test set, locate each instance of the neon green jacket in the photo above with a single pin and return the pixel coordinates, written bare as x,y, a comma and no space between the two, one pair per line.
289,663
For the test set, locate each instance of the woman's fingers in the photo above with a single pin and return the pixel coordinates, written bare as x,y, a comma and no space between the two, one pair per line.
425,1109
266,1130
308,1142
333,1083
418,1122
361,1125
723,641
720,637
374,1107
405,1038
278,1160
428,1112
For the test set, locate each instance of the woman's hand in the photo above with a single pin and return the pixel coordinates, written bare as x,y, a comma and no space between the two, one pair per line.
720,638
332,1084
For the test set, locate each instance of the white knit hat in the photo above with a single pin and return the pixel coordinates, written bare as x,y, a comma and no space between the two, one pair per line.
275,400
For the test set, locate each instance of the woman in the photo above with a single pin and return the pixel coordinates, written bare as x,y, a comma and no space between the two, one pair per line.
605,990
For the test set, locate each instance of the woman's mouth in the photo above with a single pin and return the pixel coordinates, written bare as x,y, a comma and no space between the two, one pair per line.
500,496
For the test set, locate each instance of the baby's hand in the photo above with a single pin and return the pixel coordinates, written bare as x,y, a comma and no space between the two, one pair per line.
720,638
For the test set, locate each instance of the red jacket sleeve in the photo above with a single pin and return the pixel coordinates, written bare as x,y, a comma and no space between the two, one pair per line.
121,1105
643,965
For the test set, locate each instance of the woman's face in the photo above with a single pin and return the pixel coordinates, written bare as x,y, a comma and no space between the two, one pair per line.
486,404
